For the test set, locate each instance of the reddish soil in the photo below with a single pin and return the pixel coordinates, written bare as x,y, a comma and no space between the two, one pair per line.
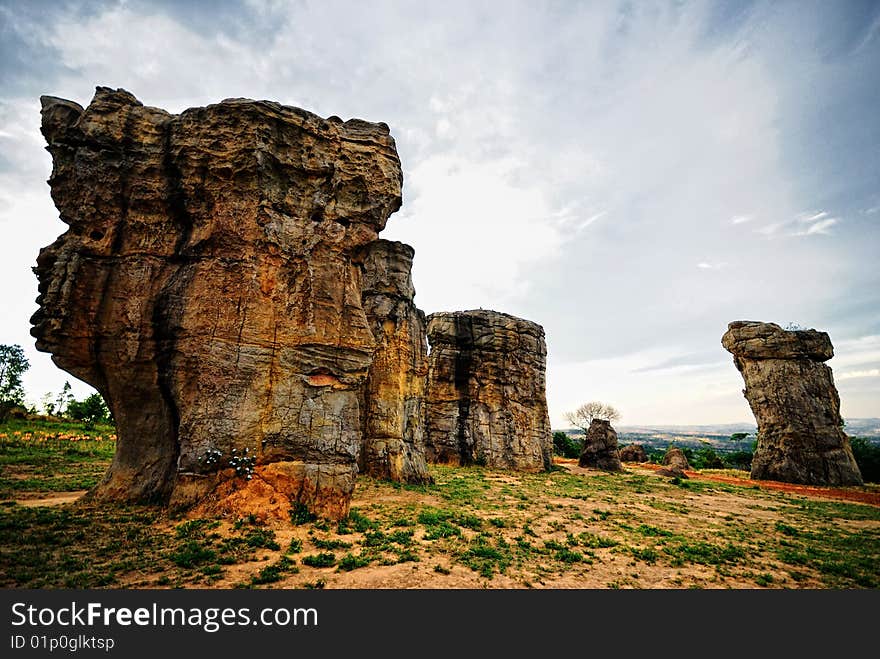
848,494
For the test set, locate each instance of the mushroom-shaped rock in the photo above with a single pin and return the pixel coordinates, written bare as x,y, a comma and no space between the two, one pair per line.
794,400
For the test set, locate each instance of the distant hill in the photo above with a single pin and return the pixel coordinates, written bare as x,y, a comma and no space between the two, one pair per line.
718,429
863,427
869,427
717,436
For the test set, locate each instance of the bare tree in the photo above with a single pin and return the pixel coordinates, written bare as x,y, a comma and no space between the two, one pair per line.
583,416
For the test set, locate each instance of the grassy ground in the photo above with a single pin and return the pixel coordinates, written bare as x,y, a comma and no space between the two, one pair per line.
474,527
47,456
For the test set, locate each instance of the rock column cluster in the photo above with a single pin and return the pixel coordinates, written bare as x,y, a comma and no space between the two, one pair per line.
222,284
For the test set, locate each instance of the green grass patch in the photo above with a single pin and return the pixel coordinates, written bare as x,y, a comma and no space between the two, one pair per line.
324,559
702,553
44,456
652,531
300,514
352,562
331,544
356,521
274,572
487,555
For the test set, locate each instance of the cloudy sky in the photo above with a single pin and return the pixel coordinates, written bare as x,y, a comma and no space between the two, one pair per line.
631,175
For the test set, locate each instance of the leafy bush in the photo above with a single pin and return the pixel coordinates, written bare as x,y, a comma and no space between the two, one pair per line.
566,446
867,456
90,411
704,458
655,455
738,459
12,364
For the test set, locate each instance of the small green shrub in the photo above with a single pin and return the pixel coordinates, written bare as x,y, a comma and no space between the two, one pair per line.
193,553
565,446
566,555
356,521
331,544
300,514
261,539
867,456
764,579
324,559
351,562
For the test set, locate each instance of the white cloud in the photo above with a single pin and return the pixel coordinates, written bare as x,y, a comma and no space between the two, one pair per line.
822,226
588,221
481,231
770,229
819,223
563,162
812,217
868,373
443,128
661,396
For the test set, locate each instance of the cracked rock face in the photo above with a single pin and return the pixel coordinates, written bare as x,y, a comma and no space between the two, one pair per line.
208,287
600,447
486,395
633,453
675,459
794,400
394,447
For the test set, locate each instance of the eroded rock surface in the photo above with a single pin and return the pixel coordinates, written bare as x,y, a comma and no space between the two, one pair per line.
600,447
794,400
394,418
672,471
207,287
486,394
633,453
675,458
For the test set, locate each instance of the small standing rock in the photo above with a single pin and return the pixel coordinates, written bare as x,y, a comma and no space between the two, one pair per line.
600,447
633,453
675,457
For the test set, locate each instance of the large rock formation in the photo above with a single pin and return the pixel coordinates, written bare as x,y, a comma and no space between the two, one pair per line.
209,288
675,458
792,395
600,447
486,395
633,453
394,445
